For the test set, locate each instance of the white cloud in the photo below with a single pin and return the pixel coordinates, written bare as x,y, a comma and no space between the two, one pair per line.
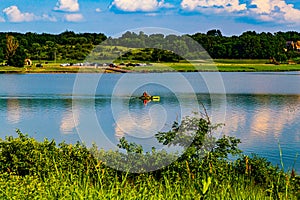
213,5
140,5
275,10
262,7
46,17
15,15
162,4
264,10
67,5
98,10
74,17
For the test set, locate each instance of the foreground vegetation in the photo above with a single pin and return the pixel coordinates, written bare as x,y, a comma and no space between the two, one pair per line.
44,170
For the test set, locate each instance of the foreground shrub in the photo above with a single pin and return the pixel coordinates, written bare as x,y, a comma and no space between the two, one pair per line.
31,169
26,156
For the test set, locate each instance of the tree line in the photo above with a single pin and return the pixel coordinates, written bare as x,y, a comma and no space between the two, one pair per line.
64,46
249,45
155,47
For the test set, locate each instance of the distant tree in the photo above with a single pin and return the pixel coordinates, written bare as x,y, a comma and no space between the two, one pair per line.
180,47
50,50
18,59
156,40
214,32
157,54
219,51
11,46
35,51
281,57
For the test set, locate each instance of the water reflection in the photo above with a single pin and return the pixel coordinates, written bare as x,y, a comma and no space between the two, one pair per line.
13,111
39,117
256,119
262,116
260,121
142,124
69,121
265,123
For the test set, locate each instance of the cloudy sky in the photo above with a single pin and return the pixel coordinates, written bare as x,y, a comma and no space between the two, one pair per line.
111,17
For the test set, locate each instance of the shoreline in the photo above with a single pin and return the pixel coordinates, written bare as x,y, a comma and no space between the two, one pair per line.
136,71
224,65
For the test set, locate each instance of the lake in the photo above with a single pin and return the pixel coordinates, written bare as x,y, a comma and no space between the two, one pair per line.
262,109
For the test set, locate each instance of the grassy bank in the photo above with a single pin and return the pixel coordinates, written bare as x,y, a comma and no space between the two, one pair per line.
222,65
44,170
49,69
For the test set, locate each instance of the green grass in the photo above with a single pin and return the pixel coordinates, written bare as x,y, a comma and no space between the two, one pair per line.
241,61
61,187
223,65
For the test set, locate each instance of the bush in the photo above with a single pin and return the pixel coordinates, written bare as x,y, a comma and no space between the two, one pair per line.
25,156
32,169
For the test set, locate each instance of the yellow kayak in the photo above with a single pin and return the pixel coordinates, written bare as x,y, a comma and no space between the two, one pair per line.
153,98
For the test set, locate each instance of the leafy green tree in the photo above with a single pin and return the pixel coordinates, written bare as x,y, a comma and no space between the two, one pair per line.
196,135
11,46
18,59
15,53
50,50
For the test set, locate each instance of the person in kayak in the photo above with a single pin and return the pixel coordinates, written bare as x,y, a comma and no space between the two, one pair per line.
145,94
146,98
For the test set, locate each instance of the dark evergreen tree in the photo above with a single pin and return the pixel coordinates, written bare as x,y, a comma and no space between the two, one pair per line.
214,32
1,55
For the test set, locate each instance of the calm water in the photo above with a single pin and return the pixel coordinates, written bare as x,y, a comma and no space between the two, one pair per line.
262,109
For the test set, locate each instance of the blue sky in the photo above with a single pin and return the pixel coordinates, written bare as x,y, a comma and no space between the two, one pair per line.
111,17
